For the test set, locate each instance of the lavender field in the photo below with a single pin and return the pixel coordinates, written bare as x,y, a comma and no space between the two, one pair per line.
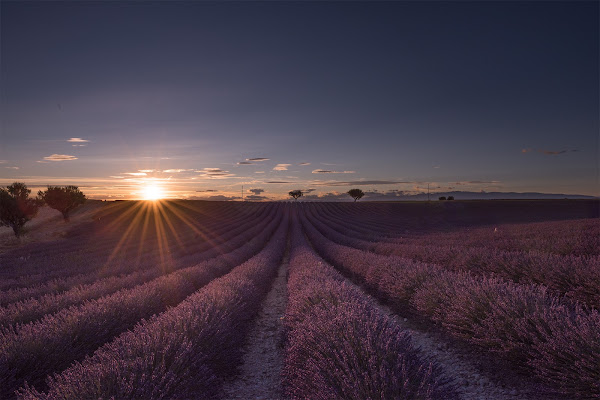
301,300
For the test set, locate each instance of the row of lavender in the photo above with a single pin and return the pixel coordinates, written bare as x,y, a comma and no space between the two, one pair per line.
112,242
554,340
72,274
576,277
341,346
184,352
579,237
32,351
112,225
32,308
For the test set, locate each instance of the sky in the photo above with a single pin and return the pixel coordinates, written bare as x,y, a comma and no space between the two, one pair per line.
218,99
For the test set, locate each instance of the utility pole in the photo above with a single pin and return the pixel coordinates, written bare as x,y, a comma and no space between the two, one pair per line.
428,192
242,192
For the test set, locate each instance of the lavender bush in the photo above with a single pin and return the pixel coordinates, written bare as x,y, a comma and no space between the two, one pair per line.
184,352
34,308
522,323
340,346
32,351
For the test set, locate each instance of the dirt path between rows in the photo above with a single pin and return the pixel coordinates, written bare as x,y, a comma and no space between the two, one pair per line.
260,372
475,378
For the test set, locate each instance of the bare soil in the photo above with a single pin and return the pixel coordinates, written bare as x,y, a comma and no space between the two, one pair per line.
260,372
476,376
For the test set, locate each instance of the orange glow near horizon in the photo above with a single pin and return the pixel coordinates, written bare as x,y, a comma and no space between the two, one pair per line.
152,191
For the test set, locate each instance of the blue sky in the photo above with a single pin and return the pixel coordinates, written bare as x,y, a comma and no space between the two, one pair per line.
116,96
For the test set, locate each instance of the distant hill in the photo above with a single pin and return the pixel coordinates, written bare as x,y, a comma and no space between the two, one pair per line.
460,195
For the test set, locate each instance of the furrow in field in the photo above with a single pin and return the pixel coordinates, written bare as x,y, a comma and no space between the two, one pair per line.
209,247
35,308
32,351
341,346
554,341
185,352
577,278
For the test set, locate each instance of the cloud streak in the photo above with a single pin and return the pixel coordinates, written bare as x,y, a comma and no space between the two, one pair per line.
215,173
60,157
326,171
258,159
360,183
281,167
176,170
549,152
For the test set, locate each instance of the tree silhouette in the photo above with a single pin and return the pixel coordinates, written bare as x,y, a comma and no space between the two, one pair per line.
296,193
356,193
16,208
442,198
450,197
63,199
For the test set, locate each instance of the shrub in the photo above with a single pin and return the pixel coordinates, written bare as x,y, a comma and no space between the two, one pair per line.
16,208
64,199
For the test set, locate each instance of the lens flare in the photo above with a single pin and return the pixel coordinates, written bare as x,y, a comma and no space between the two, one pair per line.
153,192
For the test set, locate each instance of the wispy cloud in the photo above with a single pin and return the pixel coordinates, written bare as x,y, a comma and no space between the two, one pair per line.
135,173
169,171
215,173
211,170
304,163
256,191
554,153
360,183
60,157
78,142
549,152
281,167
3,161
326,171
278,182
259,172
245,163
258,159
474,182
218,197
12,167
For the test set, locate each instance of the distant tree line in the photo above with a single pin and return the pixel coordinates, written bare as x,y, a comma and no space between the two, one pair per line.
17,208
356,194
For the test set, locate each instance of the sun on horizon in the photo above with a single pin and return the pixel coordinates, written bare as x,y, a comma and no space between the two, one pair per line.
152,191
